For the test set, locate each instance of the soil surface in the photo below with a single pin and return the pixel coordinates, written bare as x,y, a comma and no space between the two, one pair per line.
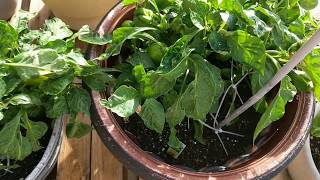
210,156
315,148
27,165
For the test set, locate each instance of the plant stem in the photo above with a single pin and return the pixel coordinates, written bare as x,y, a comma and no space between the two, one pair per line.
292,63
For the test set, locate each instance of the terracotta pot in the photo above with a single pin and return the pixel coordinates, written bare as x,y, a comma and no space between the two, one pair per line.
77,13
7,8
285,143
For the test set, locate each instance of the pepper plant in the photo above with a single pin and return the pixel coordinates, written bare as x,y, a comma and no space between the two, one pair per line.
186,57
37,71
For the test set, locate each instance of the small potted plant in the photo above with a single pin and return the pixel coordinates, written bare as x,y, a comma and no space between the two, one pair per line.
37,71
181,67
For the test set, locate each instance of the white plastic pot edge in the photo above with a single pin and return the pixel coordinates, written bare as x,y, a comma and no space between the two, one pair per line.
303,167
49,158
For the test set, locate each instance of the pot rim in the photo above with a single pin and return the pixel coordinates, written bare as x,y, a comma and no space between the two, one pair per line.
49,158
144,164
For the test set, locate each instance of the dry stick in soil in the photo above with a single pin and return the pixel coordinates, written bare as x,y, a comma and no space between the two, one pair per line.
292,63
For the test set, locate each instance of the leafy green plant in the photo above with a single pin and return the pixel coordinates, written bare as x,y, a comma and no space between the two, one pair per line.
38,69
174,70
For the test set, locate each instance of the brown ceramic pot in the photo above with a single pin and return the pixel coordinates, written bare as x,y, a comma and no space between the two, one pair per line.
287,138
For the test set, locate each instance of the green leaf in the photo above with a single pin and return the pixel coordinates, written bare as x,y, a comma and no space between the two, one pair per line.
247,49
218,42
124,101
78,58
91,37
169,99
141,58
12,144
3,88
204,90
8,38
260,28
129,2
298,27
153,116
197,20
57,85
198,132
35,131
31,65
176,147
258,81
231,6
1,115
283,37
315,130
12,82
21,99
154,85
79,101
58,45
98,81
121,35
57,107
301,80
175,114
21,20
77,129
174,62
57,29
276,109
311,67
289,14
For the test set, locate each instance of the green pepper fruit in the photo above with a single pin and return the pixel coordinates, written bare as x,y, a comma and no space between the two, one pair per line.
156,52
127,23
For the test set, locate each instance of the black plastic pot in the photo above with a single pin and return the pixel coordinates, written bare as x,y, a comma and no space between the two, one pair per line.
287,136
39,165
50,156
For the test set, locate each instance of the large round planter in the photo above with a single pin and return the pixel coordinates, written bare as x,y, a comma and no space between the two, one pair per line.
7,8
77,13
285,143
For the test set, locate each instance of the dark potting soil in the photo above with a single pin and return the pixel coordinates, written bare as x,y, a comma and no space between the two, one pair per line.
27,165
315,149
196,156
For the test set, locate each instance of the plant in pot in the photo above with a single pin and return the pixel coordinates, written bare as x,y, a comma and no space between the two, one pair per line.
183,66
37,70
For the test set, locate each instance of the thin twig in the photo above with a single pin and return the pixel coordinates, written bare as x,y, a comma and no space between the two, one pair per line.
219,130
225,150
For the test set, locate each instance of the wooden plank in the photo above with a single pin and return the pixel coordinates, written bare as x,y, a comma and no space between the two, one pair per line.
74,158
129,175
104,165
